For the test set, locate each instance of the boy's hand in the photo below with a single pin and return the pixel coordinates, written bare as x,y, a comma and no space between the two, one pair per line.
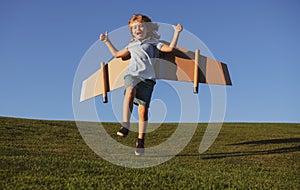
178,28
104,37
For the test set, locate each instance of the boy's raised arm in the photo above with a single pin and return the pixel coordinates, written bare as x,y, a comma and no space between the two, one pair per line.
169,48
111,47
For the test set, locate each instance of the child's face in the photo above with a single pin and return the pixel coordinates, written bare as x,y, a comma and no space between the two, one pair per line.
139,30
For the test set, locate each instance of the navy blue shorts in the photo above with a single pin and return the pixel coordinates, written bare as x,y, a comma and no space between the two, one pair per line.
143,87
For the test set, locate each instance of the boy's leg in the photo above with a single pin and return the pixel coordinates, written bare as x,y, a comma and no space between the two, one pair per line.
143,122
128,103
127,110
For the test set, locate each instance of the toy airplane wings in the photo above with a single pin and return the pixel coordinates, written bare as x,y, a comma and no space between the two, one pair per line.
179,65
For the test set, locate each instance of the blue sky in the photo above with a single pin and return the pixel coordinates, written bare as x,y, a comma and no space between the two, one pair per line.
43,42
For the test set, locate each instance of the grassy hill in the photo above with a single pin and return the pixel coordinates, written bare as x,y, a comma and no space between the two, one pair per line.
39,154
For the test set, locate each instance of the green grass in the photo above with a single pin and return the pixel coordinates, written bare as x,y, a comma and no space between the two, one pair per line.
38,154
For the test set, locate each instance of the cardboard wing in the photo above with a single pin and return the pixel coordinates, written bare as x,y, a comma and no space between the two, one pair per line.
179,65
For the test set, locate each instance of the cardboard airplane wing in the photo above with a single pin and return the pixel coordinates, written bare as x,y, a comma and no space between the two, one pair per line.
179,65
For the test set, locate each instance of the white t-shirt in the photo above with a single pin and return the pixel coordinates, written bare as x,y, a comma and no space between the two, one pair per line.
144,55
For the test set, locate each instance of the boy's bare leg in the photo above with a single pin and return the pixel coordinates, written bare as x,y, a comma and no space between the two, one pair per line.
143,120
127,109
128,105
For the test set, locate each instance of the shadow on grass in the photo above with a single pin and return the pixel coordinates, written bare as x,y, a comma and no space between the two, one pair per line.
258,152
270,141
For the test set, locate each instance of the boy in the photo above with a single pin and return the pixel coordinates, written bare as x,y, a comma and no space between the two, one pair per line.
139,78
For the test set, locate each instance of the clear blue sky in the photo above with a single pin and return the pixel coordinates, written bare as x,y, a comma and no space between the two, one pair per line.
42,43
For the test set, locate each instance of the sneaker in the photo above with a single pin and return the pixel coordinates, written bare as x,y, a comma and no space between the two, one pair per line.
139,151
123,132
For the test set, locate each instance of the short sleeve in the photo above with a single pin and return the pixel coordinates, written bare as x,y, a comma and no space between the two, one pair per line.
159,45
130,44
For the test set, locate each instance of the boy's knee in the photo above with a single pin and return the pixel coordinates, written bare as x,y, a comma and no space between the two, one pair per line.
143,113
